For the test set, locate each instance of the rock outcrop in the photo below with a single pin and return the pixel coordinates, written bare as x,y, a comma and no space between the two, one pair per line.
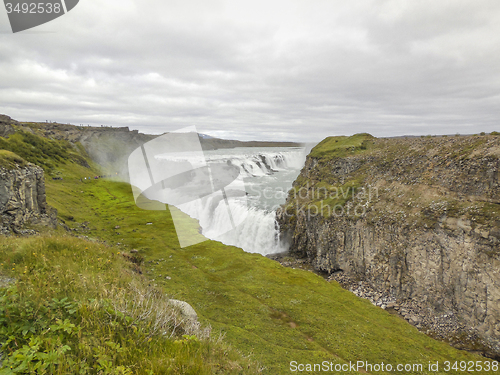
22,199
186,310
6,127
413,221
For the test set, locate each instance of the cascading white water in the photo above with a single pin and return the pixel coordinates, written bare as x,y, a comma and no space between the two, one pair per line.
256,234
267,175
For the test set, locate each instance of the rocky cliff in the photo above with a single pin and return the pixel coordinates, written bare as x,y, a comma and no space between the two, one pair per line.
6,126
413,224
22,196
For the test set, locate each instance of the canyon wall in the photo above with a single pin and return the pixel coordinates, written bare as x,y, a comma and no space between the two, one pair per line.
6,126
416,220
110,147
22,199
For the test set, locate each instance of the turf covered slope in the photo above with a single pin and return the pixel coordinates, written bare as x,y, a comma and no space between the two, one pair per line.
277,314
50,154
68,306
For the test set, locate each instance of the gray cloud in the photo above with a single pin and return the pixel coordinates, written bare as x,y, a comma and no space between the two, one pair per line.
261,70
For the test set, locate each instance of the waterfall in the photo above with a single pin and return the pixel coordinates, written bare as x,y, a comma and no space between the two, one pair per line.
262,163
256,230
257,233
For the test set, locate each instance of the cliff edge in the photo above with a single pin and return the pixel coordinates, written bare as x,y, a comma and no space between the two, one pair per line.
412,224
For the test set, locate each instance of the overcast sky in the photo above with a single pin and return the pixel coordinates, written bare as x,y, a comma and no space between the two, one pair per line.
267,70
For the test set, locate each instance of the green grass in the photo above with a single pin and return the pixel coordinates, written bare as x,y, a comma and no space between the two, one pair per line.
273,314
9,160
78,307
47,153
342,146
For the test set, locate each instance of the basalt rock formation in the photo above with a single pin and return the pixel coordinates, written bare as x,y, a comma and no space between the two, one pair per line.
6,127
22,199
413,224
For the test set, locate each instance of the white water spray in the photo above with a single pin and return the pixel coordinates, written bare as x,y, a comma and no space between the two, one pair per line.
258,232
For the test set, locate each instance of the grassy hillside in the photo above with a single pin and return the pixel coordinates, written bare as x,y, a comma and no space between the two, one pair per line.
278,314
78,308
273,314
9,160
49,154
409,172
342,146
